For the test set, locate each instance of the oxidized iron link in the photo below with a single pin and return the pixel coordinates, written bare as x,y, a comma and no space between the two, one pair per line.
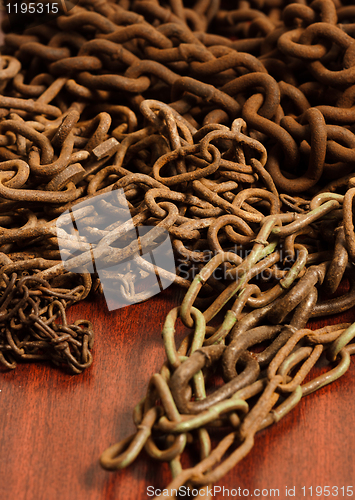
28,310
246,160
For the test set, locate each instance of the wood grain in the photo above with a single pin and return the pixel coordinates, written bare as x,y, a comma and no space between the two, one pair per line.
54,425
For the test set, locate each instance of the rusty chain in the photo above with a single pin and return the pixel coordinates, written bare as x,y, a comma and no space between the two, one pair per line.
231,126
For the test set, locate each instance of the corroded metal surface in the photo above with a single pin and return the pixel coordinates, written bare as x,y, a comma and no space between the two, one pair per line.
229,125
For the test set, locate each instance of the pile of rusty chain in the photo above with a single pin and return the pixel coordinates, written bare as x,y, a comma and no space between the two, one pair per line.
218,380
29,330
232,128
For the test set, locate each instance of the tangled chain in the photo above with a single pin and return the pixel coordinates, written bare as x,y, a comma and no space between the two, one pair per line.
28,326
255,388
229,125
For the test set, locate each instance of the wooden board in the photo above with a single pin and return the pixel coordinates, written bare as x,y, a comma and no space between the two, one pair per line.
54,426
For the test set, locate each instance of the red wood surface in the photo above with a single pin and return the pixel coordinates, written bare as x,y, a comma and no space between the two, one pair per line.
53,426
